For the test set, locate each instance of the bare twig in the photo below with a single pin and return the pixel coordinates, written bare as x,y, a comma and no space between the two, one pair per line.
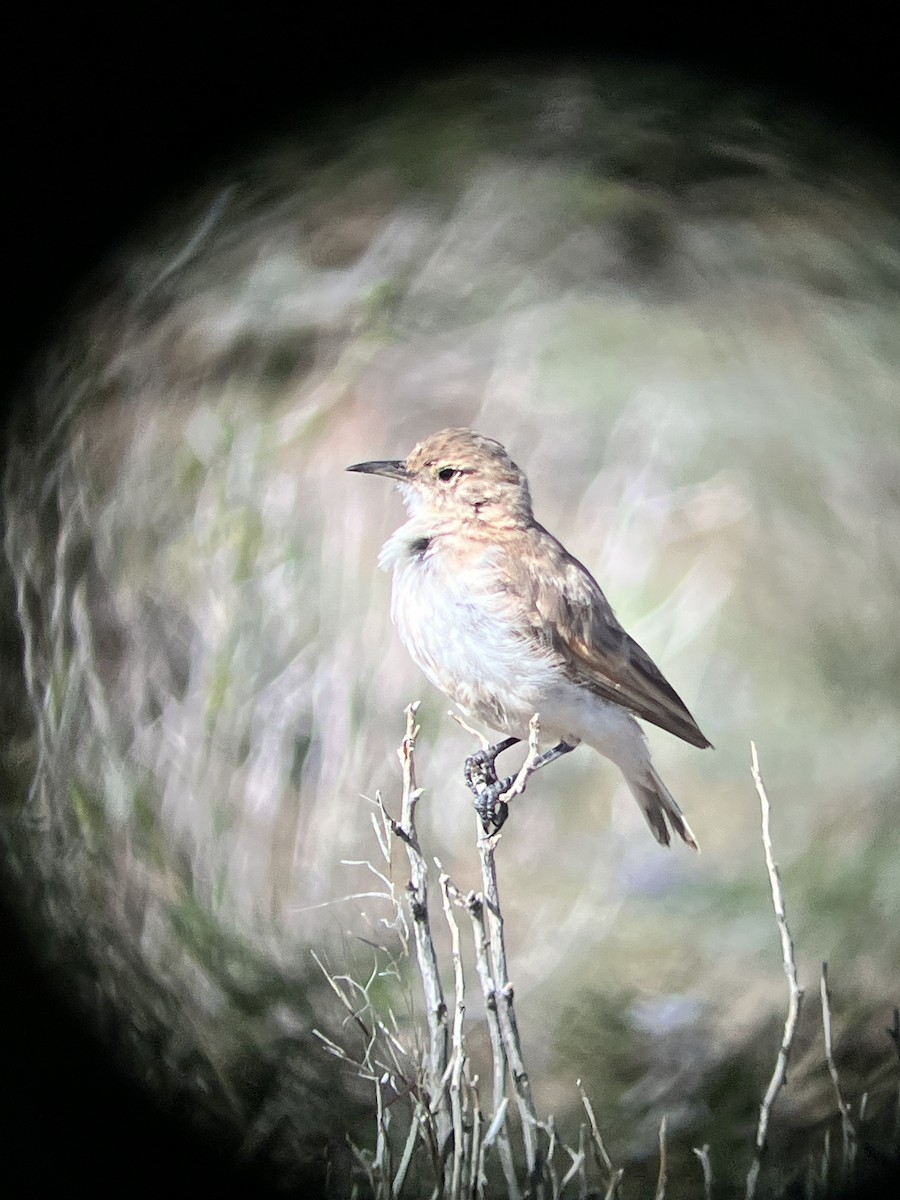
455,716
435,1007
703,1155
528,766
409,1147
509,1029
475,906
577,1168
663,1164
848,1129
458,1055
795,992
549,1127
381,1164
825,1162
368,1035
475,1186
601,1156
613,1189
490,951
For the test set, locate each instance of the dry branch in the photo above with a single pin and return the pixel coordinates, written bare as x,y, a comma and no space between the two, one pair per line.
703,1156
458,1055
446,1116
848,1130
795,992
663,1176
498,1128
503,995
435,1006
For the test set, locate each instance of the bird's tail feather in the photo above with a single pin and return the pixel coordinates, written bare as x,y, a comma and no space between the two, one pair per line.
660,809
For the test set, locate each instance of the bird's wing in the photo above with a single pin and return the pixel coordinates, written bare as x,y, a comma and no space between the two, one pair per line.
570,616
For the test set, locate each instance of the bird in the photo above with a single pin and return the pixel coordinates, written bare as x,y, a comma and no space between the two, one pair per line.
506,622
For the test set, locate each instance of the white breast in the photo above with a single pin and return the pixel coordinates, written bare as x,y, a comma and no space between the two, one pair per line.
460,629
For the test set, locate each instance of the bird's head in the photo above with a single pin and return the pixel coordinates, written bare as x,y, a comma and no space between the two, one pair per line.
458,476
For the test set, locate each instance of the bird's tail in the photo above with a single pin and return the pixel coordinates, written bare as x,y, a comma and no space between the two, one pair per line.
660,808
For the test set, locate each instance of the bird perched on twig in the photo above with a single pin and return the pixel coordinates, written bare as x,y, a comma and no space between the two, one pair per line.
507,623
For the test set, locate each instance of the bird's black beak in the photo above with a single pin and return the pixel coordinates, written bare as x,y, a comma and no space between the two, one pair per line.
394,469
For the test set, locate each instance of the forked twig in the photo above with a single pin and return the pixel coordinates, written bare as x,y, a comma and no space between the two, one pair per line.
494,973
795,992
498,1129
509,1028
601,1155
435,1006
528,767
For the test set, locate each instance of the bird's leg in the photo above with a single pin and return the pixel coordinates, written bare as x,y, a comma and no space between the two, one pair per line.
550,756
489,803
481,777
489,790
493,810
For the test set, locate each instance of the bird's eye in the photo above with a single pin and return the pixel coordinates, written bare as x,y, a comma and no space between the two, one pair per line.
447,473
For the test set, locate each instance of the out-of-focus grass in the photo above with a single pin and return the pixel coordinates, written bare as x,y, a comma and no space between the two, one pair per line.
681,317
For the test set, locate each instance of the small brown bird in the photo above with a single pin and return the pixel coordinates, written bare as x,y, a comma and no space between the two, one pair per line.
507,623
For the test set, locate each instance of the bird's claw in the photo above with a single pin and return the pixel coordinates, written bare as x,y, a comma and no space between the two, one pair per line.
481,778
479,770
492,810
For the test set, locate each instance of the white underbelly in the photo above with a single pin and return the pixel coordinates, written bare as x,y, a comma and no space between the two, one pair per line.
466,648
465,640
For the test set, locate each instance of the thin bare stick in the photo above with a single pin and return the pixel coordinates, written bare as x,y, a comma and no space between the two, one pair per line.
435,1007
663,1166
848,1129
458,1055
614,1188
577,1167
509,1028
795,992
825,1164
381,1164
549,1127
703,1155
364,1158
527,768
406,1158
485,743
475,1182
475,907
604,1162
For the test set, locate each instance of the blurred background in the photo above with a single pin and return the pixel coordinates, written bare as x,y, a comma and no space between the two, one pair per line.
677,305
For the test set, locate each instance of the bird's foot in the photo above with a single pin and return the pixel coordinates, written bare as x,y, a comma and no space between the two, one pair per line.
481,778
480,771
490,806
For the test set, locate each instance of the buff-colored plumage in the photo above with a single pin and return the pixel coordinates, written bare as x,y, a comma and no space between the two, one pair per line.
507,623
